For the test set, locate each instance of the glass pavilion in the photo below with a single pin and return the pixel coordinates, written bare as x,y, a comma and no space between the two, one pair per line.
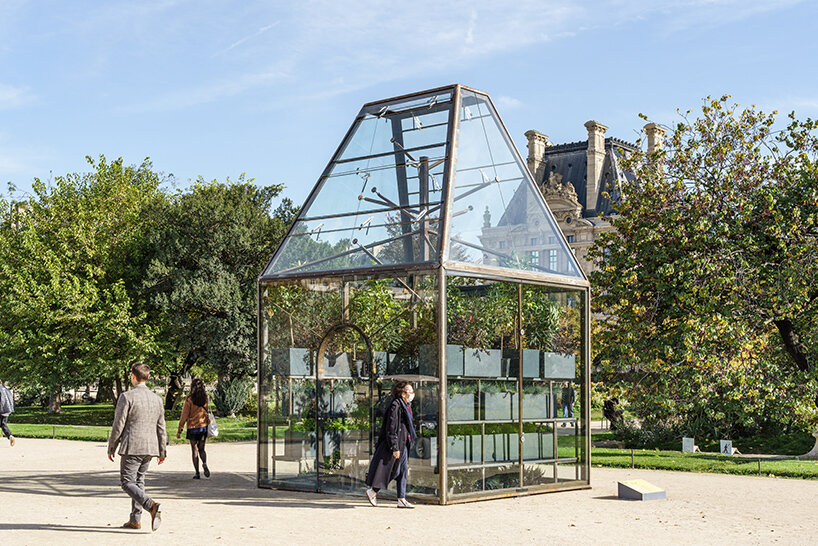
426,252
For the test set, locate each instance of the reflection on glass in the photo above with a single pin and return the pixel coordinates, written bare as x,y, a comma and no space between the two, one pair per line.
379,202
334,348
493,423
538,474
499,218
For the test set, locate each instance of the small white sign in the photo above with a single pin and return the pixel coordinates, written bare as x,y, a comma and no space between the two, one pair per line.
689,445
726,447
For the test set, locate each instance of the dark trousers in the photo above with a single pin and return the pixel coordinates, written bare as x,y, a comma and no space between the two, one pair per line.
132,470
403,471
4,419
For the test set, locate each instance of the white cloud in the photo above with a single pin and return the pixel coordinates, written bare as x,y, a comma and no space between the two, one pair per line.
14,97
680,15
247,38
507,103
211,91
332,47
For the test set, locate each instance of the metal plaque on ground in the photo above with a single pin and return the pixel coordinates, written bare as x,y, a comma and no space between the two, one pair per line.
640,490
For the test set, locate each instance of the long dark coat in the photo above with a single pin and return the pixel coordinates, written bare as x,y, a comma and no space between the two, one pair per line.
396,430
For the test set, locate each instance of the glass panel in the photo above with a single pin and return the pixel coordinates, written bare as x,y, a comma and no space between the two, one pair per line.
356,241
400,317
499,218
297,317
379,201
568,472
538,474
483,447
567,441
551,335
418,128
343,424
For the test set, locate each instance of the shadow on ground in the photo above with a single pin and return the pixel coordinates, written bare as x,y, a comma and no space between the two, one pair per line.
233,488
62,528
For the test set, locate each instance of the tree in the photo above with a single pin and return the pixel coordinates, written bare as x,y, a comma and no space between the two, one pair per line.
201,280
709,283
66,256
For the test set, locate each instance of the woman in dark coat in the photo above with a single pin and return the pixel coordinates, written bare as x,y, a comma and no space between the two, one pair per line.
391,459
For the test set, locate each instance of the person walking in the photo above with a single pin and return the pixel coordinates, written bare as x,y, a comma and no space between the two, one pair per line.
568,398
391,458
139,430
6,409
195,417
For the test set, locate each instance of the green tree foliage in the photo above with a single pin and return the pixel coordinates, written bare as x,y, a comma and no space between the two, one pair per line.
709,284
201,280
68,256
485,314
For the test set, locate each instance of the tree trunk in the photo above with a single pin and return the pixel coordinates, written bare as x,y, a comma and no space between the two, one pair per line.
105,390
176,383
175,386
792,344
796,350
118,380
54,405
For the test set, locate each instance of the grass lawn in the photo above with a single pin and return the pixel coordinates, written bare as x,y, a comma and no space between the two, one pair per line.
92,422
703,462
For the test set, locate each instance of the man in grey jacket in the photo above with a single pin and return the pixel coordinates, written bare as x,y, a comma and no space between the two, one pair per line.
6,409
139,424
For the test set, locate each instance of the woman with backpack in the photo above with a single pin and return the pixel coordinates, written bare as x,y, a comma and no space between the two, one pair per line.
195,416
6,409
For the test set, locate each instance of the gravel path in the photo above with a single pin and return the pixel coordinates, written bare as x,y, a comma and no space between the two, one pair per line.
55,491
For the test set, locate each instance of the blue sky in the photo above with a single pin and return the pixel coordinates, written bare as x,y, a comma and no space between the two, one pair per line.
219,88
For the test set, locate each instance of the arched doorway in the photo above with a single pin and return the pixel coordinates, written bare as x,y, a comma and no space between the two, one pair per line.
344,416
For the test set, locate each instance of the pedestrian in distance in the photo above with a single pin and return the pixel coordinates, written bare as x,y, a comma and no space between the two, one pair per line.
139,430
6,409
195,417
568,398
391,459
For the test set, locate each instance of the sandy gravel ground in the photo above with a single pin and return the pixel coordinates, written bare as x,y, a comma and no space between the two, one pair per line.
62,492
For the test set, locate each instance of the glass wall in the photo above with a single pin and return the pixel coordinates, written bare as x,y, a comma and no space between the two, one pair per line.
514,418
332,349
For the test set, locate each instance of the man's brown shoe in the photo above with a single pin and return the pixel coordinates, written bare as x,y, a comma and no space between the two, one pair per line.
156,516
12,441
132,525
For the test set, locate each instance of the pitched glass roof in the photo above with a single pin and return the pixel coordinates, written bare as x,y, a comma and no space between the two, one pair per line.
382,200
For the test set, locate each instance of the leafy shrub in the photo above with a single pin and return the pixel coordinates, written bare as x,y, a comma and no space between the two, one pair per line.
30,396
462,387
650,435
536,388
497,387
230,396
251,404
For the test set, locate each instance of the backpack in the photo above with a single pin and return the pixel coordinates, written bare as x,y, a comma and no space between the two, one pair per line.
6,400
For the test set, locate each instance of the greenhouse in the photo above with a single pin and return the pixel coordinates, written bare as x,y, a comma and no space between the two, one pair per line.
425,252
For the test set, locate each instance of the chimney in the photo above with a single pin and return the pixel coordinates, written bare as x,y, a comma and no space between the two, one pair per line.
595,160
537,143
656,137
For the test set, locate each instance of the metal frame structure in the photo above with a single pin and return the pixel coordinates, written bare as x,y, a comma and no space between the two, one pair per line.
440,265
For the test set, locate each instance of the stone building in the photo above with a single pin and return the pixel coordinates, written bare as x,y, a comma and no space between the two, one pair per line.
580,181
